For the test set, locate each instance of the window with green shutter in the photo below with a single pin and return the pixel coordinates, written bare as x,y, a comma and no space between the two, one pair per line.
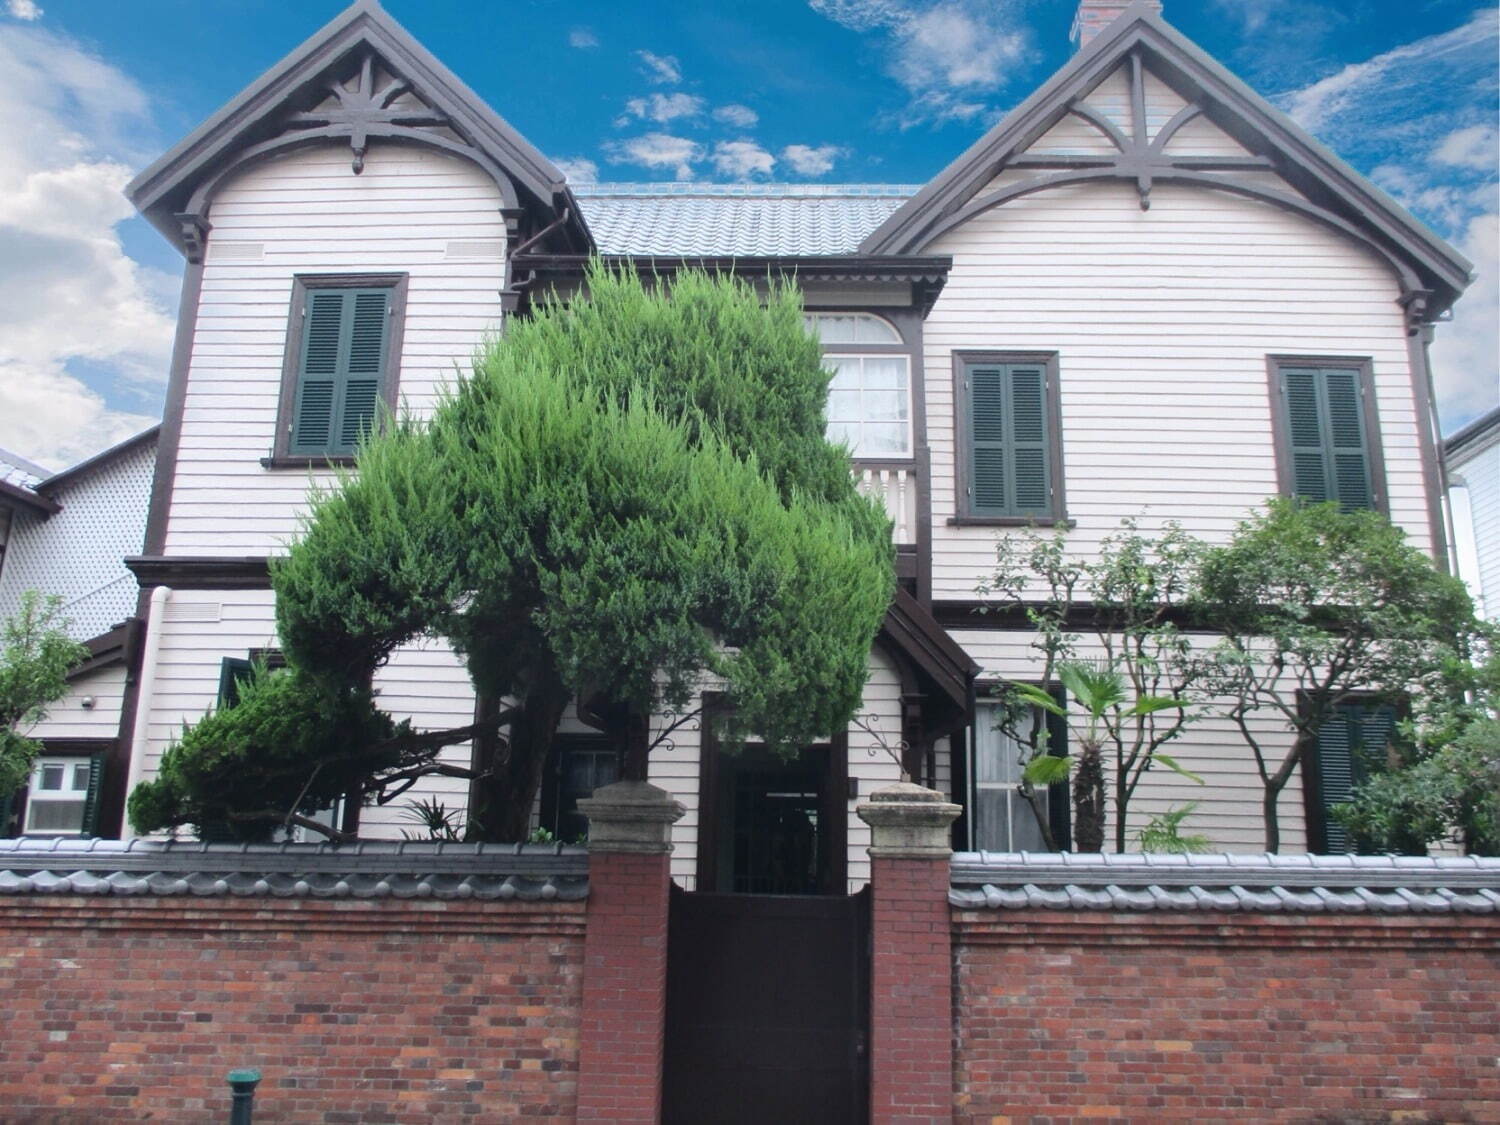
1352,743
1328,444
341,363
1010,465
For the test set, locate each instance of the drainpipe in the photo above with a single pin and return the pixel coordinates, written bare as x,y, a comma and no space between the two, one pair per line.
144,691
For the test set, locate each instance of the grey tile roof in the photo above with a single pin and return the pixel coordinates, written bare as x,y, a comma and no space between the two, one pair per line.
752,220
17,470
1297,884
369,869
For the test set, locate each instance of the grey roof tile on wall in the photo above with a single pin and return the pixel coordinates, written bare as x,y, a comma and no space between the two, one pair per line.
1255,883
367,869
753,220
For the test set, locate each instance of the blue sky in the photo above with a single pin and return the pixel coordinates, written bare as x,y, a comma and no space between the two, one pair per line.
827,90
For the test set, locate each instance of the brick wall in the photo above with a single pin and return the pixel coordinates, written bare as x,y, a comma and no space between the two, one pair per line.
1216,1017
389,1010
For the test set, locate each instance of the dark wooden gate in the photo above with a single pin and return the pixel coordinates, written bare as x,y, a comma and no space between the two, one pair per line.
767,1011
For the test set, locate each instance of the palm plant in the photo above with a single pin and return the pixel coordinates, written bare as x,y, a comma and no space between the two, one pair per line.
1099,689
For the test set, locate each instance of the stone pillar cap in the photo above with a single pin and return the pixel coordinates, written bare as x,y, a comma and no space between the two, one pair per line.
908,822
631,816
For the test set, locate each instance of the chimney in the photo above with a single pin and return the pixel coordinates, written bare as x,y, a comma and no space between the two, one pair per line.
1095,15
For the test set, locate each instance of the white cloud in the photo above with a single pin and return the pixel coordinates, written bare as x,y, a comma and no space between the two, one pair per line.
660,68
578,170
1391,75
582,38
741,159
1477,147
740,116
661,108
657,150
24,10
811,160
1465,351
948,54
68,293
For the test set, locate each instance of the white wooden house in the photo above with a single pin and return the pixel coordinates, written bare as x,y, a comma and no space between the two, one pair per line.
1140,267
1472,460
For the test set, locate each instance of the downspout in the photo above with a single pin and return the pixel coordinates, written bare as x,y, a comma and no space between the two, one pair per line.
1444,540
139,737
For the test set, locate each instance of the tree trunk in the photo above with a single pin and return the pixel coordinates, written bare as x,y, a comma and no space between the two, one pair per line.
1268,811
1088,800
501,798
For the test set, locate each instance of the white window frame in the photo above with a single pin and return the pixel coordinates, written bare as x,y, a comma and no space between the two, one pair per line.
36,795
1016,804
891,348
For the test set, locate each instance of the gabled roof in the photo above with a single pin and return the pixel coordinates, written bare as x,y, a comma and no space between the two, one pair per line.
760,220
19,479
1433,272
280,106
99,460
1474,438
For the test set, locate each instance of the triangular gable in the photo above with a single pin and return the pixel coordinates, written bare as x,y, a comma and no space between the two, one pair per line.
1081,125
362,77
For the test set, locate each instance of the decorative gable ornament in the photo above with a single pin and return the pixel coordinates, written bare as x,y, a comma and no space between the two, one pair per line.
1267,157
362,78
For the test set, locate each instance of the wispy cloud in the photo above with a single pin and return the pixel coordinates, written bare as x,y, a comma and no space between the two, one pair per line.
24,10
1420,117
578,169
663,69
661,108
69,295
582,38
740,160
811,160
740,116
951,56
657,150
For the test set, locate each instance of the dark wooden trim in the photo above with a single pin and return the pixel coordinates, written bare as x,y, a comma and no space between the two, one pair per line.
289,461
972,614
15,495
390,377
1010,521
914,632
112,794
1434,474
105,649
1282,428
963,509
200,572
171,425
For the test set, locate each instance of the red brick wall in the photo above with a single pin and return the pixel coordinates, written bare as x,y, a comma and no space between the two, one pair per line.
1078,1016
911,993
400,1011
626,989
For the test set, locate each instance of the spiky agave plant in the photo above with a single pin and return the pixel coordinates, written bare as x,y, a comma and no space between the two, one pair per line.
1099,689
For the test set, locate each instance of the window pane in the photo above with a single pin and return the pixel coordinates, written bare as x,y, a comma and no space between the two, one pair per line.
844,433
885,406
843,406
851,328
52,777
81,773
887,372
882,438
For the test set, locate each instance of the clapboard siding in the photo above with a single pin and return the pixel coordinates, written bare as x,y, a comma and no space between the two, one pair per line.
69,718
1480,475
1166,410
1229,809
308,213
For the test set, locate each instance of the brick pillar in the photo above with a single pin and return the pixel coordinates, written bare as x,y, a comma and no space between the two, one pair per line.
911,971
625,953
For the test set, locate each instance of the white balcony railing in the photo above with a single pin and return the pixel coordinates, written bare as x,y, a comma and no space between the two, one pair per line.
896,487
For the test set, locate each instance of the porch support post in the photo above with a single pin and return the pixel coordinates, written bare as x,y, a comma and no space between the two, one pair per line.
625,953
911,971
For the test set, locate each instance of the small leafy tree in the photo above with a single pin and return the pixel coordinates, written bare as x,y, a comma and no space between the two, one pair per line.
1444,780
1164,833
34,665
1318,608
631,493
1131,595
1106,705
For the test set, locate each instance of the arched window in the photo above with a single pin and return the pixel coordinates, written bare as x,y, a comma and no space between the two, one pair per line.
869,400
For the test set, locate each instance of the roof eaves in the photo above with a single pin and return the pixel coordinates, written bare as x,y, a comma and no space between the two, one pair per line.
1479,434
24,497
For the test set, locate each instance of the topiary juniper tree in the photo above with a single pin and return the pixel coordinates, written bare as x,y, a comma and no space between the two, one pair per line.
631,493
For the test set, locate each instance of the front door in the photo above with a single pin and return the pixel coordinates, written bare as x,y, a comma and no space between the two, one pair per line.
770,824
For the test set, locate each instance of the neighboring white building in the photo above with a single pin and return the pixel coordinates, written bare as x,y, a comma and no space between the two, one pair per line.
1144,293
67,535
1472,458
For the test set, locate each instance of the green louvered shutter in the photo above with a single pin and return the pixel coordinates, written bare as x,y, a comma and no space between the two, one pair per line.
91,798
1009,454
344,342
233,671
1329,445
1351,745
